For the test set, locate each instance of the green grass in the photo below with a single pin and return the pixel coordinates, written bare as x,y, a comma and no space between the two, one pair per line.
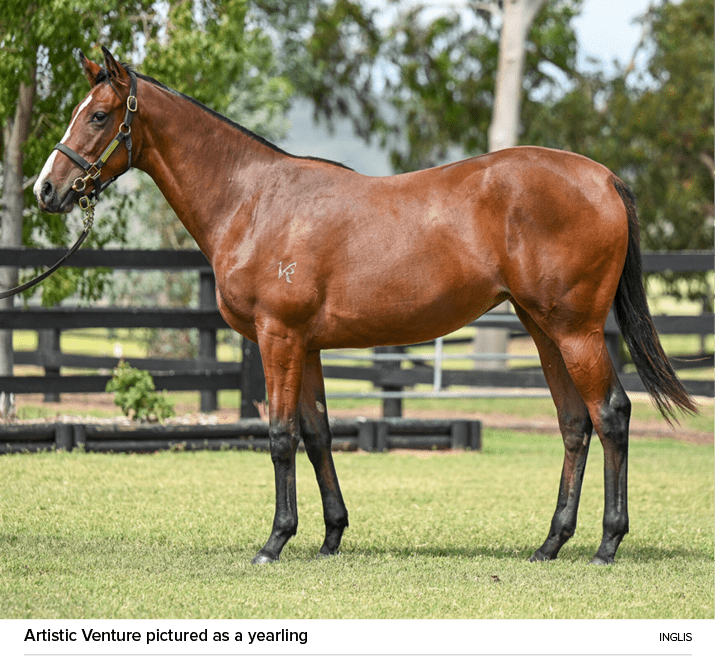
170,535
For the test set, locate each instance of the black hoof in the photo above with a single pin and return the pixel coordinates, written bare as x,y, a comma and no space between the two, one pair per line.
325,554
262,558
539,557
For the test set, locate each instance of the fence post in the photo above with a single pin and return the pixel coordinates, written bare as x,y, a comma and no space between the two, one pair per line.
49,345
459,435
366,435
391,407
207,337
475,434
613,341
253,381
64,437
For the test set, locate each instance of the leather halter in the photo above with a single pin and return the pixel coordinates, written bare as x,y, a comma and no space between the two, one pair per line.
92,171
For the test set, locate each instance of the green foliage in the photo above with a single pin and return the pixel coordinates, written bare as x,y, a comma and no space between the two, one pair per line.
39,44
653,126
205,48
423,85
135,393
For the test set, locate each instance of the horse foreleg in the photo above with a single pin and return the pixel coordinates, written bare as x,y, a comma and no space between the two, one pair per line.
318,439
575,425
283,362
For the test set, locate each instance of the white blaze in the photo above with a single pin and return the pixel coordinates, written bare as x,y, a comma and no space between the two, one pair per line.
51,160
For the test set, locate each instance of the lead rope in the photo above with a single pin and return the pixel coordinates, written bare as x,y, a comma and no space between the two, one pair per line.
88,221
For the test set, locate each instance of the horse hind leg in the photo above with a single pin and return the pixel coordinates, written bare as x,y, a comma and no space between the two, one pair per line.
591,369
575,425
318,439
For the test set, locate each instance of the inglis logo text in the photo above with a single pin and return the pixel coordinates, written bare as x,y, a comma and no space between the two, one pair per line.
676,637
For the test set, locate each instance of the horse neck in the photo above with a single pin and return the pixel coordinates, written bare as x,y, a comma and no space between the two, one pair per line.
206,168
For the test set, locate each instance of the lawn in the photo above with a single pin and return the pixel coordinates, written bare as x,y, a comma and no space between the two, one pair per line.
432,535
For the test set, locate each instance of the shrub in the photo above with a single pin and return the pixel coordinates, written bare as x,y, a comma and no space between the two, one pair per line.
135,393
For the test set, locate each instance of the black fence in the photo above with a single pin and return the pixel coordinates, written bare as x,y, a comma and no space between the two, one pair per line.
208,375
348,435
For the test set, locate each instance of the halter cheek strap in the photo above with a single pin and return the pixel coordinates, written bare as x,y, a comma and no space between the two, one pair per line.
92,171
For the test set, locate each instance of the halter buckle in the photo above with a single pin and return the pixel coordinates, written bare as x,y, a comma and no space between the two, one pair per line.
132,103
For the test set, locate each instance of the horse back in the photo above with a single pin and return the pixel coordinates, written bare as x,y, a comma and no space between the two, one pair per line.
353,260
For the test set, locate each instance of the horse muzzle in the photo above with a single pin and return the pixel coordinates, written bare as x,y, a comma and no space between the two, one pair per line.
54,201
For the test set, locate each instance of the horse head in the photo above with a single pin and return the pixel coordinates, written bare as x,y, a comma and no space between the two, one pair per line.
99,124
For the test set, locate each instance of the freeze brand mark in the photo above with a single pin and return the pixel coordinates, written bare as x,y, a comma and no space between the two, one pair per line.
290,269
676,637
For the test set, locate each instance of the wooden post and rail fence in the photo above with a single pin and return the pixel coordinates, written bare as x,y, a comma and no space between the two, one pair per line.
208,375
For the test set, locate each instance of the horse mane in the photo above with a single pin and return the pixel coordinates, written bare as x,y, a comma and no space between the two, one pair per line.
105,76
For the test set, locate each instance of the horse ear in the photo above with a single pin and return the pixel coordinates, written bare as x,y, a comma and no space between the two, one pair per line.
116,70
91,70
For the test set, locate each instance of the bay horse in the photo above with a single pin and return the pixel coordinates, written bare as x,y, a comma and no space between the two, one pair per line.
310,255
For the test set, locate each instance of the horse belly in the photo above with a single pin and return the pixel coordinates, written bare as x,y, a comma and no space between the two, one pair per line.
415,302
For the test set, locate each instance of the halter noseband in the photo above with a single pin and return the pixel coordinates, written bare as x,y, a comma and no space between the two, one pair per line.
92,170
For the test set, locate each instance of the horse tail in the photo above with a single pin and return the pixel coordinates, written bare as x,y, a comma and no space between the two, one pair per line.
634,319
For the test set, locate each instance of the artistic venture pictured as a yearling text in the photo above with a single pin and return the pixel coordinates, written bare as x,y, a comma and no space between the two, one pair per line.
310,255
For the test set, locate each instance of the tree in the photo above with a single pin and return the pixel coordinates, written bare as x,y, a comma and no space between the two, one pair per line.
516,23
38,68
424,85
202,47
654,127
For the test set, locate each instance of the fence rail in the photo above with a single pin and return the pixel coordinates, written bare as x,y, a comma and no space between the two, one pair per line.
348,435
209,375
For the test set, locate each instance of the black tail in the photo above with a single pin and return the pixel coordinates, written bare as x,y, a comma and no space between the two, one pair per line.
634,319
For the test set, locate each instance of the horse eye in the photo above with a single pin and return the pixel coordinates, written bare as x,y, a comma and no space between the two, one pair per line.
99,117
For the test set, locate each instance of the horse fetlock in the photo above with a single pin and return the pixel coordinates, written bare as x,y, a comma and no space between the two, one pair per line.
336,516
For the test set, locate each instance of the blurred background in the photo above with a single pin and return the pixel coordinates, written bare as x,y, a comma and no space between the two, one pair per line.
384,87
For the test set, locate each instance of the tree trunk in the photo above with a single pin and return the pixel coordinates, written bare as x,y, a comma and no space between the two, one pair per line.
14,135
517,18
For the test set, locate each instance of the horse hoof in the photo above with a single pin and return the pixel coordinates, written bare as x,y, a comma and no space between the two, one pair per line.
538,557
322,555
599,561
261,558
